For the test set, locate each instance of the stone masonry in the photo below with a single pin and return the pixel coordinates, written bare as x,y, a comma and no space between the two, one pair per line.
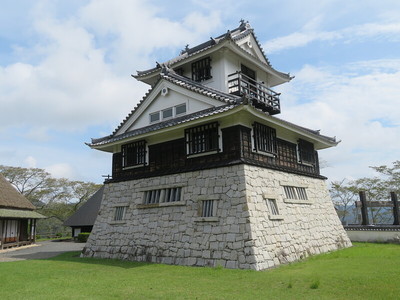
243,233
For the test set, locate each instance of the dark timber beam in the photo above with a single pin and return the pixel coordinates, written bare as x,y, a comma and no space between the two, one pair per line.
364,208
393,196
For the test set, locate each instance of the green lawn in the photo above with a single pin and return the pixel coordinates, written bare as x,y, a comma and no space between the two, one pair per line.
365,271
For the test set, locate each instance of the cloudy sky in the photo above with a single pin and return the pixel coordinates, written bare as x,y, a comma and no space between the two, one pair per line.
65,71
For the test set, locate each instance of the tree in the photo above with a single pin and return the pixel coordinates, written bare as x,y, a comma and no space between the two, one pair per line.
343,197
56,198
376,189
392,175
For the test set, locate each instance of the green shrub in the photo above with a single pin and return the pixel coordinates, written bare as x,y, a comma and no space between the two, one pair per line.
315,284
83,236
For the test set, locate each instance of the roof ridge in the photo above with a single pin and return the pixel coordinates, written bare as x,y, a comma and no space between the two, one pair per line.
236,34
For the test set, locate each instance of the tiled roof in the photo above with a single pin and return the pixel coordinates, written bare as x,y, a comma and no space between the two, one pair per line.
11,198
191,85
188,84
314,132
165,124
86,215
236,34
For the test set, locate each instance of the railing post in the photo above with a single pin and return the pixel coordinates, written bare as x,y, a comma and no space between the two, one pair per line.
393,196
364,208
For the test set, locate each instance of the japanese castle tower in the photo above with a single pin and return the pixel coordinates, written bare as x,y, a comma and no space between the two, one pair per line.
205,174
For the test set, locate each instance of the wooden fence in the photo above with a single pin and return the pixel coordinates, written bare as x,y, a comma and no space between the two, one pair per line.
363,204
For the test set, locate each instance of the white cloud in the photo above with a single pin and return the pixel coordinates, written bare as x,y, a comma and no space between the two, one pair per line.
81,76
30,162
311,33
354,104
61,170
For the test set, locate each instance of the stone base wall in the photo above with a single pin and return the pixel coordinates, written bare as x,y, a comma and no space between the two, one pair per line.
240,234
301,228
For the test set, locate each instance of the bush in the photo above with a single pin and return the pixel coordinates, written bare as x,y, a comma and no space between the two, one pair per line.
83,236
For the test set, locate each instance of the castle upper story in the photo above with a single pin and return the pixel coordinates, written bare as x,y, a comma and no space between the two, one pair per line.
232,63
212,106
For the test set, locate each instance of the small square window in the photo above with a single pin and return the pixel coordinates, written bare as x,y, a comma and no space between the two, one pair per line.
167,113
180,109
207,208
155,117
119,213
273,207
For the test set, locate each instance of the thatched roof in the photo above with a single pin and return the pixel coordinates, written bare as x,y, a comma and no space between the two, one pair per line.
11,198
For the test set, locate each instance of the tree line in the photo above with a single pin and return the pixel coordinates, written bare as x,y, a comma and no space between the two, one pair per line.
55,198
344,193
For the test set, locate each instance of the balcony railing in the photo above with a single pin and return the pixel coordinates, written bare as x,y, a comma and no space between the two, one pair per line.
261,96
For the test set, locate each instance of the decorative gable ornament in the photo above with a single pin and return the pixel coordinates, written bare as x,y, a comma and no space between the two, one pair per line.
164,91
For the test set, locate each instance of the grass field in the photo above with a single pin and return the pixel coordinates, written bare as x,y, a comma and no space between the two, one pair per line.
365,271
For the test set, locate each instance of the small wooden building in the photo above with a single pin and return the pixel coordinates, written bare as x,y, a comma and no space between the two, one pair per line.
17,217
83,219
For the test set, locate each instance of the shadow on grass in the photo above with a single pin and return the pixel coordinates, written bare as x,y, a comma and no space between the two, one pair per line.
75,258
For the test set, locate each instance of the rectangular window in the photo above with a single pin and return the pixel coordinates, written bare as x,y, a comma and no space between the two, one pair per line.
295,193
201,139
134,154
207,208
155,117
306,152
273,207
180,109
162,195
201,69
119,213
264,138
167,113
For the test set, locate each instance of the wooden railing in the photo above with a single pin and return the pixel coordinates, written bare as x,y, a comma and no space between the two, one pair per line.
262,97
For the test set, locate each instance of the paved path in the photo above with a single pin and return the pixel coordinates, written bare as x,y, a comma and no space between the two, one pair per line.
41,250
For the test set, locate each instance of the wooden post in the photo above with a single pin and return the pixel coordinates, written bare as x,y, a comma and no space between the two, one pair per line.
364,208
2,234
393,196
34,230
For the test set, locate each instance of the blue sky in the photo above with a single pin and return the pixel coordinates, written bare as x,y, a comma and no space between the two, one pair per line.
65,71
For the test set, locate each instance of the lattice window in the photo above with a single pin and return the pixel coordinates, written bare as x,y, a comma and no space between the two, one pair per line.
201,69
203,138
119,213
162,195
207,208
264,138
134,154
295,193
306,152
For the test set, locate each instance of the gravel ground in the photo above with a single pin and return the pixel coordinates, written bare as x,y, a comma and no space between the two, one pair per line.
40,250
